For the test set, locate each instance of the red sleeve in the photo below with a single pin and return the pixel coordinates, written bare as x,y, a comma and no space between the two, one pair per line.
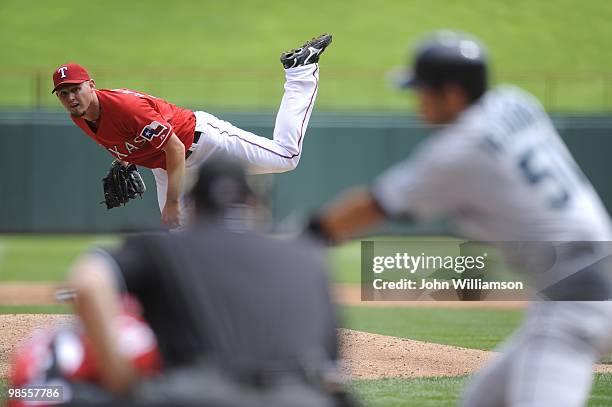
148,124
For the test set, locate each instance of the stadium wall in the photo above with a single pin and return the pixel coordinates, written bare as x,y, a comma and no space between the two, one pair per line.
50,173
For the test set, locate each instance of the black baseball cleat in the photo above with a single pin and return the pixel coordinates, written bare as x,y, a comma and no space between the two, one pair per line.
307,54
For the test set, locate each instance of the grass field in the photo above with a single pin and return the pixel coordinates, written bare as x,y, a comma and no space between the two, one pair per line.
433,392
474,328
44,258
444,391
35,309
53,255
164,50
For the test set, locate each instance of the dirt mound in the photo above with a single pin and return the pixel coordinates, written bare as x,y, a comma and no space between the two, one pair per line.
14,328
365,355
372,356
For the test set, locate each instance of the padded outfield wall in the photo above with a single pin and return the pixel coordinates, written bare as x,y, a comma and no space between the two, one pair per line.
50,172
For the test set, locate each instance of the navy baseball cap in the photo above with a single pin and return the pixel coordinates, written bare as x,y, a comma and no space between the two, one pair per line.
443,56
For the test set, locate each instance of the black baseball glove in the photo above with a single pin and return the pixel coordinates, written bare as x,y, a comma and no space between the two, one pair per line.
121,184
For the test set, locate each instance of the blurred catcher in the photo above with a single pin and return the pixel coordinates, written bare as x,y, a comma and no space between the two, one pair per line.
140,129
63,355
240,319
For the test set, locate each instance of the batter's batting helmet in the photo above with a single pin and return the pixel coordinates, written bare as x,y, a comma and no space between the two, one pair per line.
449,57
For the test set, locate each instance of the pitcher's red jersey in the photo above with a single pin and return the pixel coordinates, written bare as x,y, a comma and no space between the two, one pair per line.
134,126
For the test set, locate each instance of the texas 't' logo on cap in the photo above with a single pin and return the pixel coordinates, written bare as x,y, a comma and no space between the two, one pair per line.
69,73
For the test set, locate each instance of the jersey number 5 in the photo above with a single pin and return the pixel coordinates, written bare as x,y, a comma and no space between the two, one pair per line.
539,169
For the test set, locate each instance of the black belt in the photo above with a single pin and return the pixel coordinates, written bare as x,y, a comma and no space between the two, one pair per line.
196,138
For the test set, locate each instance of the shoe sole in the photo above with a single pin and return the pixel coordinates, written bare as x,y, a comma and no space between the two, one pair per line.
320,42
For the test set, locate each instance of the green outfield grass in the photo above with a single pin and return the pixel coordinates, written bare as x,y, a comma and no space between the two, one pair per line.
444,391
3,384
421,392
35,309
431,392
474,328
47,257
44,257
345,262
163,50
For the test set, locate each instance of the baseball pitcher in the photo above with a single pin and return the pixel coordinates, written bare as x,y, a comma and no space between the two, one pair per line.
140,129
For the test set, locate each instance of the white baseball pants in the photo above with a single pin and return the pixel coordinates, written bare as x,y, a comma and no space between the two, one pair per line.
549,362
260,154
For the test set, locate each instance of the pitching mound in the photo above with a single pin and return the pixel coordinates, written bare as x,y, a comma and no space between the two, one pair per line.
365,355
372,356
13,328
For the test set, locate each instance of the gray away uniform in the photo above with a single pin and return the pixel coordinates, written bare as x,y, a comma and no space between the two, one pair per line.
501,174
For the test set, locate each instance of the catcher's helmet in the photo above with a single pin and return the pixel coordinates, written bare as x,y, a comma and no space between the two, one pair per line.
449,57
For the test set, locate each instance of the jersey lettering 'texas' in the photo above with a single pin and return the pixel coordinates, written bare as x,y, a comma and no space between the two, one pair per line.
134,127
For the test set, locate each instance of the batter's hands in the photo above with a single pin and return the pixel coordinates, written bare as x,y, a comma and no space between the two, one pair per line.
171,214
